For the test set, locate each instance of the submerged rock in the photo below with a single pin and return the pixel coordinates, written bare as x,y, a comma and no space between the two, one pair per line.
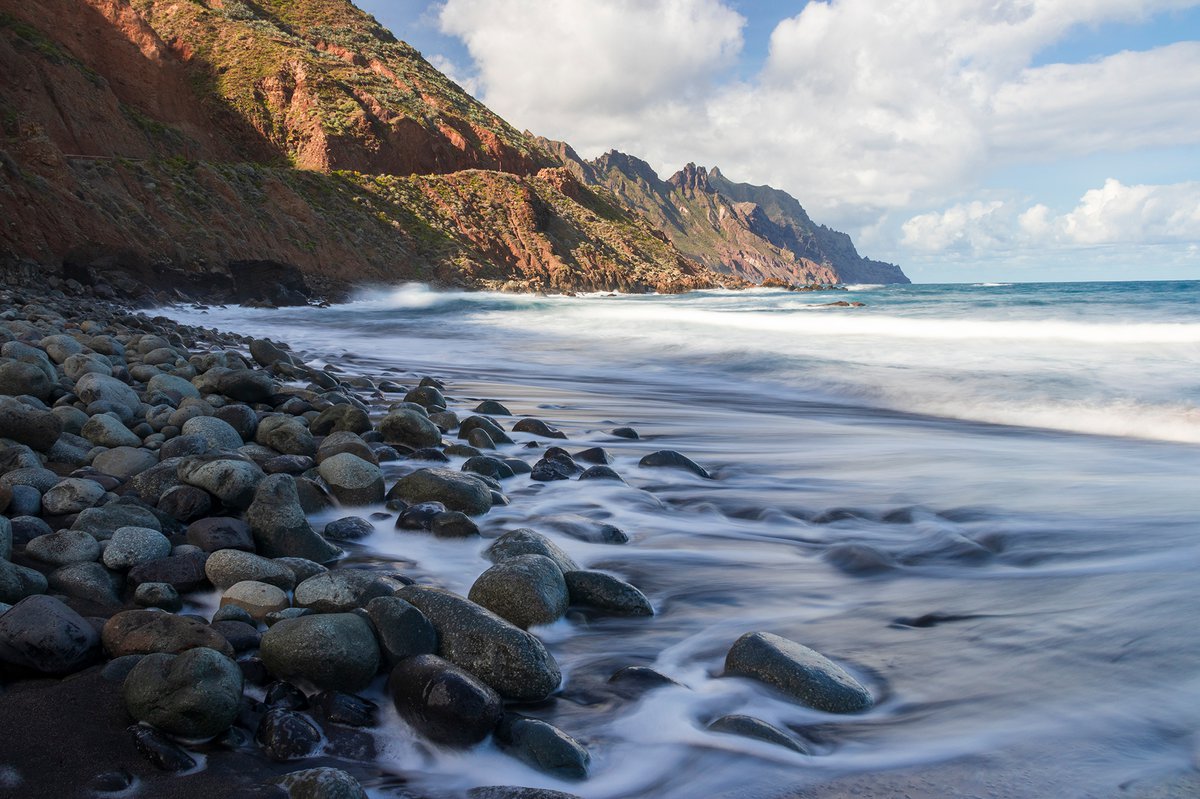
526,590
604,592
443,702
750,727
543,746
804,675
674,460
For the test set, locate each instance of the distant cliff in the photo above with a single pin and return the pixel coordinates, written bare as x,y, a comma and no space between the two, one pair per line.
189,145
754,232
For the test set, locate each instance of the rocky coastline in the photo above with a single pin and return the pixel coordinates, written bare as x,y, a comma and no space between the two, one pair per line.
149,469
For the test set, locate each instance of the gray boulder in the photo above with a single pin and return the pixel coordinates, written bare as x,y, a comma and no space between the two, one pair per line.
604,592
220,532
802,674
18,377
37,428
673,460
195,694
227,567
341,418
524,541
335,651
43,634
410,429
456,490
124,462
543,746
321,783
442,702
232,481
64,547
280,526
340,590
171,384
72,495
403,631
257,599
18,582
526,590
87,581
352,480
750,727
6,538
286,434
101,522
217,433
245,385
513,662
131,546
142,632
106,430
98,388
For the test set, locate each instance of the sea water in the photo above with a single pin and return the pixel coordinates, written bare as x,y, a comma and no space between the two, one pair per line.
982,500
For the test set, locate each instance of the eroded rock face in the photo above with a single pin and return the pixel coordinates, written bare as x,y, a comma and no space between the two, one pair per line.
802,674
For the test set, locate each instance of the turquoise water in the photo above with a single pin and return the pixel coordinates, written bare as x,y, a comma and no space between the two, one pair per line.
1021,459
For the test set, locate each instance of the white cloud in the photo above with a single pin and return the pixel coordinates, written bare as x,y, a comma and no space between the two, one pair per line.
862,106
1114,214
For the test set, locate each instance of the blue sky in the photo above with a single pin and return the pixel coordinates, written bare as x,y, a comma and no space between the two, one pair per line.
965,139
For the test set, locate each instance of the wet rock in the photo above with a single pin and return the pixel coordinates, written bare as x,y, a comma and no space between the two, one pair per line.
18,582
426,397
606,593
673,460
479,439
488,467
340,418
336,651
859,559
513,662
97,388
24,502
43,634
452,524
409,429
71,496
538,428
41,479
266,353
104,430
346,710
543,746
37,428
158,595
18,378
428,454
338,443
750,727
402,630
640,679
340,591
302,568
172,385
124,462
132,546
495,432
153,483
63,548
195,694
88,581
457,491
142,632
6,538
444,703
163,753
185,503
585,529
321,783
548,470
228,567
352,480
524,541
217,532
348,528
288,464
625,432
245,385
286,434
286,735
184,572
215,432
803,675
600,473
419,516
515,792
525,590
234,482
257,599
280,526
492,408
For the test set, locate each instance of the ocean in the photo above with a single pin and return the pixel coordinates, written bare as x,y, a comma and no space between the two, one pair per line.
983,500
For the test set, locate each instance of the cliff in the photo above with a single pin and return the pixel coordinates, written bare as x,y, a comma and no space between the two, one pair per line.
754,232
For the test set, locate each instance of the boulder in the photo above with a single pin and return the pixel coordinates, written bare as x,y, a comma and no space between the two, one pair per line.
18,378
217,433
171,384
132,546
526,590
43,634
750,727
245,385
183,572
217,532
524,541
336,651
195,694
280,526
340,591
538,428
36,428
124,462
410,429
106,430
456,490
232,481
443,702
228,567
340,418
87,581
286,735
321,783
64,547
543,746
606,593
286,434
348,528
803,675
257,599
352,480
18,582
109,391
674,460
142,632
513,662
402,630
103,521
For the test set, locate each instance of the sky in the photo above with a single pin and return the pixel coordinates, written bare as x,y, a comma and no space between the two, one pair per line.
962,139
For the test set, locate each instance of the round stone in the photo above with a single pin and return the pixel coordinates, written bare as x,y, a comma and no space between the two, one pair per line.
257,599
